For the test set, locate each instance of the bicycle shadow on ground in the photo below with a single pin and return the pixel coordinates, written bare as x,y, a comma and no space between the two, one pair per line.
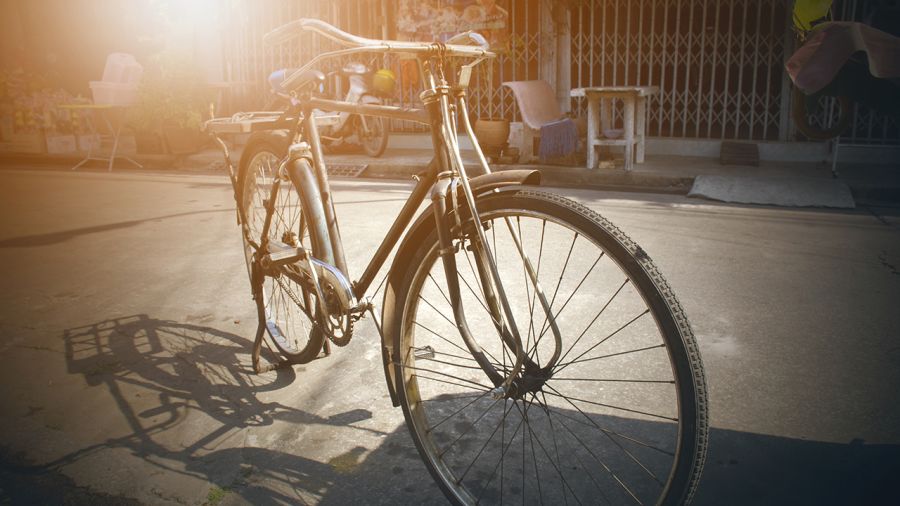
182,390
197,394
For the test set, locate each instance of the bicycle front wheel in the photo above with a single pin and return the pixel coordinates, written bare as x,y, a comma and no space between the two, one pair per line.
617,417
373,137
284,301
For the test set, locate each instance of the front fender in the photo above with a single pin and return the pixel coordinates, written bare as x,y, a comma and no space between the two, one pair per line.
483,186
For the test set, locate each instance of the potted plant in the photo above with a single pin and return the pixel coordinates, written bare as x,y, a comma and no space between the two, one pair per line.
168,111
492,134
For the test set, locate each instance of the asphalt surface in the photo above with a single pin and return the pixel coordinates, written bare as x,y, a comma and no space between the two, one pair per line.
126,322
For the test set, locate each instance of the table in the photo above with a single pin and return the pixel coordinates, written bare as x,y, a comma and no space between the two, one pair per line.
599,102
113,117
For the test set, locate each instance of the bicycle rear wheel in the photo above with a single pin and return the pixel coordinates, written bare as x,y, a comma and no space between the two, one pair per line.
619,418
285,301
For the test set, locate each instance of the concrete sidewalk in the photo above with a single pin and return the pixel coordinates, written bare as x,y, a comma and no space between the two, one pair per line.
868,182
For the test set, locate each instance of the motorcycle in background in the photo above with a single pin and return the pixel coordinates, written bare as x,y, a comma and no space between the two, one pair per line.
365,86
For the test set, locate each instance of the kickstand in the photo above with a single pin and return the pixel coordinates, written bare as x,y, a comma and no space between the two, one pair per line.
260,366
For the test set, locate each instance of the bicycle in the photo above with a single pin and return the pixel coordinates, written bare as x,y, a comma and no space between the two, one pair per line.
537,353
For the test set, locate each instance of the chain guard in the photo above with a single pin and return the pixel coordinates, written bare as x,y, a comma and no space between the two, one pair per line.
337,332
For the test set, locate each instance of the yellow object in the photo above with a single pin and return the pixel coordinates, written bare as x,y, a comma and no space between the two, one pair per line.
807,11
383,81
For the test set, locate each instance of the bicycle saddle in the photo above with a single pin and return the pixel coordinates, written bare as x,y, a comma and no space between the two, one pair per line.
308,77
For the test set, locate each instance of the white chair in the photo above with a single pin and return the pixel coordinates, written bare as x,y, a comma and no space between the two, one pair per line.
538,106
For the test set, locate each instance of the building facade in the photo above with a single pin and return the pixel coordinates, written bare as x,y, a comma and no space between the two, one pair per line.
719,64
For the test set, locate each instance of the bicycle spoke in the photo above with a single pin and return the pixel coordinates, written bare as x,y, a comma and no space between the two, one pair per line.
436,310
559,367
469,429
439,336
620,408
602,463
440,290
534,460
578,339
471,385
528,296
532,301
578,361
558,471
546,326
445,362
555,443
505,448
460,410
625,451
451,322
480,300
611,432
616,380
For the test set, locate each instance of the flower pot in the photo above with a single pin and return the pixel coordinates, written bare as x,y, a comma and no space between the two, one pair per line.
492,135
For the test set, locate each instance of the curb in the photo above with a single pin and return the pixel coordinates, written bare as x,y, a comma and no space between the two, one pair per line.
562,176
863,191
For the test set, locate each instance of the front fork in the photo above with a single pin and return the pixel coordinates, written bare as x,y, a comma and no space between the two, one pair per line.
447,252
444,128
443,136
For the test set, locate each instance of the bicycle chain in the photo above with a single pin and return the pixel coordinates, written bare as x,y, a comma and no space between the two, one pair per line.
343,340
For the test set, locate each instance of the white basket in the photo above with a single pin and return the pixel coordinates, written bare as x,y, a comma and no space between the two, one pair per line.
122,68
113,93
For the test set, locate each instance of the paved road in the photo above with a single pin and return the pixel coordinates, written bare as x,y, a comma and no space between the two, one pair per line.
125,317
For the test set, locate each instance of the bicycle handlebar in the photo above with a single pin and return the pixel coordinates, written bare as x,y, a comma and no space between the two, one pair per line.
285,32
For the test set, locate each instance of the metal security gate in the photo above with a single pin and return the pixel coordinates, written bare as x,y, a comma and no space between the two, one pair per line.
717,63
248,61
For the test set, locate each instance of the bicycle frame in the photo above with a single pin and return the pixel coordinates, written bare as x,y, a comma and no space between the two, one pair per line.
298,268
444,177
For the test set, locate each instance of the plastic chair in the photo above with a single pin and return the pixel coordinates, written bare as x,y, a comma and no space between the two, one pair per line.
538,106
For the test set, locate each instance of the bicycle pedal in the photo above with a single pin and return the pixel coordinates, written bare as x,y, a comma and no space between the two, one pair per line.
281,254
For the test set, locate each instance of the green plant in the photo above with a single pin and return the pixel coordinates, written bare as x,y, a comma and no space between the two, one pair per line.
172,93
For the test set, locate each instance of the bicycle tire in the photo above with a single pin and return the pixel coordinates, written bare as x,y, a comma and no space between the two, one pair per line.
376,141
298,339
474,446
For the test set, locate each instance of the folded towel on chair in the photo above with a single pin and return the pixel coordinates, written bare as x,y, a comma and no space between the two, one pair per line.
558,139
